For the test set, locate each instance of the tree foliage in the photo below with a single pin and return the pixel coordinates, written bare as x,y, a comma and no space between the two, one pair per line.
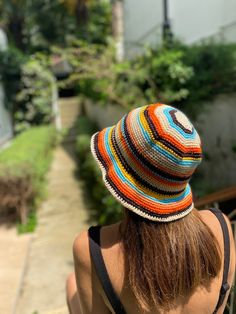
186,76
35,25
97,75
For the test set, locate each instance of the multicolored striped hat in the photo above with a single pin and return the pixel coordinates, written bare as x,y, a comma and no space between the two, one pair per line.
147,160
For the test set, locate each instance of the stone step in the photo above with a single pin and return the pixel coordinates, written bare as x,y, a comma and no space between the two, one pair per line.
70,109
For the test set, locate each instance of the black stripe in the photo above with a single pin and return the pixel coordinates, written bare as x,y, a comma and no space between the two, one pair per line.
166,143
123,196
173,116
134,174
146,162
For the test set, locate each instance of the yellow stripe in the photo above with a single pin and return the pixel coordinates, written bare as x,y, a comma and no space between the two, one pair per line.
131,179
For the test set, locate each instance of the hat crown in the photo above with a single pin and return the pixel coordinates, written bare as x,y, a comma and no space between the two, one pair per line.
170,129
148,158
163,140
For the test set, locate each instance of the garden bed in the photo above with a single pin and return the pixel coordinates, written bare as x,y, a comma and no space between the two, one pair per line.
23,167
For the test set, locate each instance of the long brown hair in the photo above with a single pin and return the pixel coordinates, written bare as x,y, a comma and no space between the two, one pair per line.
166,262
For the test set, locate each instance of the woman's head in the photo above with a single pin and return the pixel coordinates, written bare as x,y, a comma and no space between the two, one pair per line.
147,160
166,262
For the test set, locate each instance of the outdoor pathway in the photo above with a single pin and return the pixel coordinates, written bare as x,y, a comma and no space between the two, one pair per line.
13,255
61,217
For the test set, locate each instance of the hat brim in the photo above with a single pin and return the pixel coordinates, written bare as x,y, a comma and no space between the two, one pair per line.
129,192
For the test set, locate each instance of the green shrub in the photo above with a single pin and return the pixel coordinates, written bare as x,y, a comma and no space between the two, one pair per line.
214,68
157,75
34,100
184,76
30,225
27,83
105,209
85,125
10,69
23,167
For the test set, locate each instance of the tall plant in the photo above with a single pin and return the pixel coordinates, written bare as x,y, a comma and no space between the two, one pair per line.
34,100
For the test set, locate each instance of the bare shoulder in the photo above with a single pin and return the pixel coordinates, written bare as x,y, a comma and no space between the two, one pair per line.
209,218
214,225
81,250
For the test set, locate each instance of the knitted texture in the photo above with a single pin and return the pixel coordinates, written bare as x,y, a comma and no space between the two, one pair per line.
147,160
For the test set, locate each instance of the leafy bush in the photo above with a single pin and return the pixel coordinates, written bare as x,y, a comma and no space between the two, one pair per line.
214,68
98,27
23,167
158,75
10,69
35,25
28,84
34,100
85,126
105,208
30,225
185,76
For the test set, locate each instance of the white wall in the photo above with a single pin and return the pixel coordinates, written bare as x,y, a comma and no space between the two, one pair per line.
191,20
142,24
6,130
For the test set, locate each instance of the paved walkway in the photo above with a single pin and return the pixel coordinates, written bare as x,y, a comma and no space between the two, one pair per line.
13,255
50,260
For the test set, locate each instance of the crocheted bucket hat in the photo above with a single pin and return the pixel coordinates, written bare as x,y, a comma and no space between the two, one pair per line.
147,160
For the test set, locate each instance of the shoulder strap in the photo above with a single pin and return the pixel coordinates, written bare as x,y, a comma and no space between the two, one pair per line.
101,271
225,286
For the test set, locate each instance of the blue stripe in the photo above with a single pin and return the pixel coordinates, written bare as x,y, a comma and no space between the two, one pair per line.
160,150
144,165
131,185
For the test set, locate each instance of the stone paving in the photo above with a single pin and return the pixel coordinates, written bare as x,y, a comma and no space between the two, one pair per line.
60,218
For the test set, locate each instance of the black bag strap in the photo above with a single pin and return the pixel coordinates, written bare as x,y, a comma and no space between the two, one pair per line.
101,271
225,286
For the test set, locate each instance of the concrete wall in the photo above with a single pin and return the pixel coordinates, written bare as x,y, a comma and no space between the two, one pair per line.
217,127
191,21
104,116
6,130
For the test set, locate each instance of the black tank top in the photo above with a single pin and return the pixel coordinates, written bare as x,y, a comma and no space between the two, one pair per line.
98,262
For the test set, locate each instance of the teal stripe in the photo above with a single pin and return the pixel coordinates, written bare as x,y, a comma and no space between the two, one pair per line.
160,150
119,173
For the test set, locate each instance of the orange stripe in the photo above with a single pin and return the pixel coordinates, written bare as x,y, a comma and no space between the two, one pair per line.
166,136
147,172
132,194
160,166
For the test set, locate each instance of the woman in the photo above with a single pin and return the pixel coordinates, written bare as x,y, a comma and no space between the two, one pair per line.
164,256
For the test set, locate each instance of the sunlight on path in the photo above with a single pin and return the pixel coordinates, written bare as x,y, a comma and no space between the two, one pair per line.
13,255
60,218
